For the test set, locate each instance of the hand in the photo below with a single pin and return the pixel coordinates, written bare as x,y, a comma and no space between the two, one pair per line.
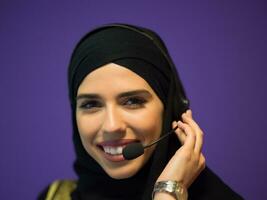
188,161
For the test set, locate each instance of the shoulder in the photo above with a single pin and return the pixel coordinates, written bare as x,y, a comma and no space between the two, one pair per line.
59,189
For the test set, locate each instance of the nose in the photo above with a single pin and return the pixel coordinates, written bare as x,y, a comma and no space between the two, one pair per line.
113,120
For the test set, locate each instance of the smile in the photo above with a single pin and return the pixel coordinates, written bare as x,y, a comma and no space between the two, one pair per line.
112,150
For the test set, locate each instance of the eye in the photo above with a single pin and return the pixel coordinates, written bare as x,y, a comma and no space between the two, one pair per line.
90,105
134,102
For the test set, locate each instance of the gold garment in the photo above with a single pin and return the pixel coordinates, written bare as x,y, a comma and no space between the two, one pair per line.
61,190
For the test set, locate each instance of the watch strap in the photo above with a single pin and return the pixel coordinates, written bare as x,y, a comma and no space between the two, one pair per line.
174,188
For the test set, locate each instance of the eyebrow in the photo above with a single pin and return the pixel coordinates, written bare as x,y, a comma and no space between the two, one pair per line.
123,94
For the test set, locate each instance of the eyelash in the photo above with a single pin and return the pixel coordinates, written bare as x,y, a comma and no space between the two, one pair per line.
90,104
134,102
130,102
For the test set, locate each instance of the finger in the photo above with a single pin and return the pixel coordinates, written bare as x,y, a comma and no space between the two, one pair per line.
202,162
181,135
199,142
187,118
190,135
189,111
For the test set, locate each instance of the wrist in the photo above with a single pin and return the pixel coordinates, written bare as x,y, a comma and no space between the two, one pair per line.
163,195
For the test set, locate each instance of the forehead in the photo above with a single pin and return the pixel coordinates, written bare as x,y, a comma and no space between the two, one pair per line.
113,77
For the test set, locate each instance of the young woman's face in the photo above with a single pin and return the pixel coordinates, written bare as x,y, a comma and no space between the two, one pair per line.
116,107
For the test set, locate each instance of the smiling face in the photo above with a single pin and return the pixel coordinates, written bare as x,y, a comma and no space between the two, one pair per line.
115,107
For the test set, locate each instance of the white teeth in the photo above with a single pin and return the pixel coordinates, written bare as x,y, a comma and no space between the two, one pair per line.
113,150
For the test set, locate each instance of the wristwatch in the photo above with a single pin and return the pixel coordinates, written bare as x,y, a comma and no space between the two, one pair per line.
174,188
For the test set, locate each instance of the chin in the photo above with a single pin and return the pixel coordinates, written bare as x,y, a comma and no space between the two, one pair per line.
126,169
121,175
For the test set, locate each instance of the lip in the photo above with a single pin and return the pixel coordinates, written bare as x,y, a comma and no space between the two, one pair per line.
114,143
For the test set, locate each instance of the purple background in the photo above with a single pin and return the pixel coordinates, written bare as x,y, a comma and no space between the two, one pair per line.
219,48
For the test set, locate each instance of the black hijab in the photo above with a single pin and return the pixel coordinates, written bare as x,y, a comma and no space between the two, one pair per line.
142,51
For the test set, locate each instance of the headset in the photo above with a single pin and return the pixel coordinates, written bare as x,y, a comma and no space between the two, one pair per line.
134,150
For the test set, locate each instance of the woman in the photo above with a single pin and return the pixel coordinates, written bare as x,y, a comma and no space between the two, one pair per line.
124,89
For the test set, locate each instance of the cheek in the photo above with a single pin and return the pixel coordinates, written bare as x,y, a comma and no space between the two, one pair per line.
87,129
148,124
